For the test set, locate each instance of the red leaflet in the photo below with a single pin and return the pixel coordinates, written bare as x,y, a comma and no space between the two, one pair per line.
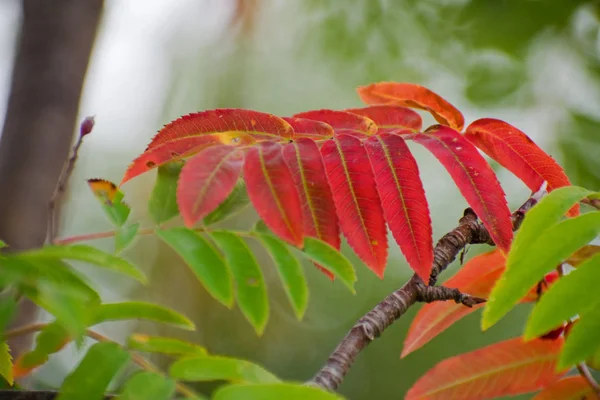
476,277
403,199
206,180
318,211
179,148
257,124
271,189
569,388
342,122
474,177
309,128
515,151
356,201
390,117
507,368
414,96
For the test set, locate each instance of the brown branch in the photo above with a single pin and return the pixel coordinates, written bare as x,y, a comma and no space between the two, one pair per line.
371,325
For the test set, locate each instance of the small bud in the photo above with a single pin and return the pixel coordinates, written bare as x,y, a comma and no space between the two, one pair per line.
86,126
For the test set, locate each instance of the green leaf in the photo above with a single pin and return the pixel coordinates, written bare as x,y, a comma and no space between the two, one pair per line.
125,236
141,310
163,200
8,306
89,254
3,244
572,294
543,215
273,391
6,363
233,204
164,345
94,373
332,260
204,260
147,386
250,284
290,272
111,199
51,339
551,247
214,368
583,340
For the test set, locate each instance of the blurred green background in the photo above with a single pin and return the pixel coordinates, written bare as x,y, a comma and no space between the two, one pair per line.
533,63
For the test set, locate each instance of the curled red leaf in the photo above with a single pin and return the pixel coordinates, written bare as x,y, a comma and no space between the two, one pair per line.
342,122
391,118
309,128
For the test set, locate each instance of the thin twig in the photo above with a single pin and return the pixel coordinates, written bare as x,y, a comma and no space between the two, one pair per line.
586,374
84,129
469,231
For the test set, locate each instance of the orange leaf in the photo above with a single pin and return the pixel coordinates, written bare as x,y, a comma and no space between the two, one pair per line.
356,200
206,180
569,388
180,148
414,96
233,120
474,178
403,199
476,277
342,122
320,219
309,128
272,191
515,151
390,118
507,368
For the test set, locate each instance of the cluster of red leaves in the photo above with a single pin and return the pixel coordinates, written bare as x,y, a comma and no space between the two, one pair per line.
321,172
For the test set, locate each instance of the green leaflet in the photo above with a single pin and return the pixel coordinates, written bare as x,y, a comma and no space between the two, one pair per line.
147,386
51,339
94,373
6,363
570,295
250,284
124,237
203,259
163,200
233,204
89,254
550,248
213,368
111,199
164,345
583,340
332,260
141,310
290,272
273,391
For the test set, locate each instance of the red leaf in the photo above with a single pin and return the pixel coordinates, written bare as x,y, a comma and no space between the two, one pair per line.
474,177
476,277
403,199
254,123
342,122
569,388
318,211
515,151
390,118
309,128
507,368
180,148
356,200
271,189
206,180
414,96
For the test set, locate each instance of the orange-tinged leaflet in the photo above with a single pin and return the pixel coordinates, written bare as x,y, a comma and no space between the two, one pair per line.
391,118
414,96
507,368
569,388
309,128
342,122
474,178
254,123
206,180
402,199
515,151
273,193
103,189
356,200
